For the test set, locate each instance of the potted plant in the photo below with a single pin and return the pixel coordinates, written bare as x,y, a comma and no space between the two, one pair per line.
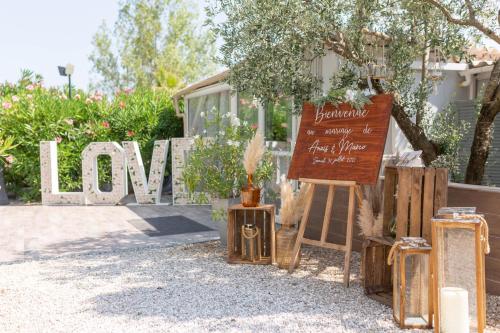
214,172
250,193
292,208
6,159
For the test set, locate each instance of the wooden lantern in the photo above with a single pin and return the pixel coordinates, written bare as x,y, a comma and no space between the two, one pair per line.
412,291
459,245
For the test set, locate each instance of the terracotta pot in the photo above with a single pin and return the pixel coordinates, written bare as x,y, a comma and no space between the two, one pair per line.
250,194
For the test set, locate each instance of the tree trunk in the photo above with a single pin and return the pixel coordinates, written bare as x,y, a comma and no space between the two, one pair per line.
483,134
415,134
3,192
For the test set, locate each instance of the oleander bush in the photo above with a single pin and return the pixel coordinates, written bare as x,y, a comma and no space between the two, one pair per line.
30,113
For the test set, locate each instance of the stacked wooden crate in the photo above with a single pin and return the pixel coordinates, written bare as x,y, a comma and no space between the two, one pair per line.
411,197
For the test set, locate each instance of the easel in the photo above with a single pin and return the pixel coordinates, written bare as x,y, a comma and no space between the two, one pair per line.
347,248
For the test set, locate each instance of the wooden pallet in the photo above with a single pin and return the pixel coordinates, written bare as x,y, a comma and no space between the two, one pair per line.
412,196
263,217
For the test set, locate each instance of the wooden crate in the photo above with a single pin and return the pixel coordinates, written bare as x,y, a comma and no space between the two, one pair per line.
263,217
377,280
411,198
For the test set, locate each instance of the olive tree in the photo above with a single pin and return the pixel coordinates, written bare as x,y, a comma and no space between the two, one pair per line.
484,18
270,47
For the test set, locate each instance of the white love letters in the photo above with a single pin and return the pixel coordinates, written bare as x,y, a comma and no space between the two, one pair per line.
129,157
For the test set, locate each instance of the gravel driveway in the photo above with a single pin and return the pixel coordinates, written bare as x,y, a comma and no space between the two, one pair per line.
185,289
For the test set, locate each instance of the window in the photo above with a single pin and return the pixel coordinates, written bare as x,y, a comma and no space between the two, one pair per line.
205,103
279,123
248,109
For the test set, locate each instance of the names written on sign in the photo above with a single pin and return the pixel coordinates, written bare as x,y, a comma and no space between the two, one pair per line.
342,143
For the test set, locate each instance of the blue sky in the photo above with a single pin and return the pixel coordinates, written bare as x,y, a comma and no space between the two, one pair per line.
40,35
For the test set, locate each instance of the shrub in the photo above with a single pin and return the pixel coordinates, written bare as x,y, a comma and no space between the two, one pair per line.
30,113
215,163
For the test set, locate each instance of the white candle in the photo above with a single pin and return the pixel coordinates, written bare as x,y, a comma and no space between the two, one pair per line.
454,310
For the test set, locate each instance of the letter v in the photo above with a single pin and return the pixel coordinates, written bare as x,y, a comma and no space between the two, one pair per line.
146,191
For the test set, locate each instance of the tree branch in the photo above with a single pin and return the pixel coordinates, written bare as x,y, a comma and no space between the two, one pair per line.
470,22
414,134
337,44
470,9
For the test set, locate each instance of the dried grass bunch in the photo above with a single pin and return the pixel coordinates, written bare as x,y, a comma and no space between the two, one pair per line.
371,217
292,205
253,153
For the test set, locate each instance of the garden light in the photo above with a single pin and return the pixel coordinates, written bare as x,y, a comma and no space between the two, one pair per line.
67,71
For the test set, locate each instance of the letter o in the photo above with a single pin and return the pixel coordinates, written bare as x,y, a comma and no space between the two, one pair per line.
90,173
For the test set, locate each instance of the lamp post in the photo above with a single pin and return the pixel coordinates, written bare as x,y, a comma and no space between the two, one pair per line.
67,71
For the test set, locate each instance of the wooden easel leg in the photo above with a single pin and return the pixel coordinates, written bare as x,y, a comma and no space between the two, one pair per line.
302,229
348,241
359,195
328,213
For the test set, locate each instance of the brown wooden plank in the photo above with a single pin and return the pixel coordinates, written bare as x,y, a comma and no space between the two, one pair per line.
328,213
328,245
230,234
441,189
416,202
492,287
379,264
492,268
367,268
403,200
487,203
389,197
348,241
428,202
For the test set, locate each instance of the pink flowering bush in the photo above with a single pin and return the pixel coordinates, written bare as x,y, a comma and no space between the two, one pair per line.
30,113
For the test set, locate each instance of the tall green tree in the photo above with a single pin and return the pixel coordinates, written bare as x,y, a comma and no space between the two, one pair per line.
270,47
154,43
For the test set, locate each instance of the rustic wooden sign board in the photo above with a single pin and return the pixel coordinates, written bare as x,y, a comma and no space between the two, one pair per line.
342,143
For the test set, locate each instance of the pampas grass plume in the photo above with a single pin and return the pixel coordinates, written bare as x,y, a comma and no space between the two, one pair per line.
365,218
292,206
253,153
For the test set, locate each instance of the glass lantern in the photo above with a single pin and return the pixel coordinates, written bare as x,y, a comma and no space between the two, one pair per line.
449,212
459,244
412,292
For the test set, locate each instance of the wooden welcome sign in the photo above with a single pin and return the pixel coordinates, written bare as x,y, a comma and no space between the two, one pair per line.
342,143
338,146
